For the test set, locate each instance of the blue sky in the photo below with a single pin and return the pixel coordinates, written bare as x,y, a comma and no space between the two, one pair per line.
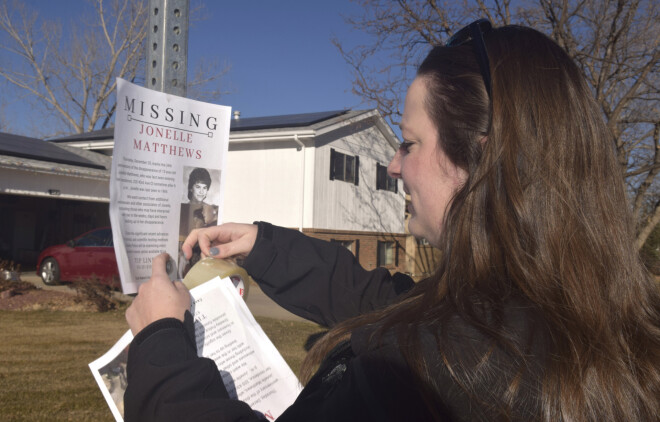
280,52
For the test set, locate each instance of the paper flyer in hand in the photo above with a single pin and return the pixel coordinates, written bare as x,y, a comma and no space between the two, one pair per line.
251,368
167,171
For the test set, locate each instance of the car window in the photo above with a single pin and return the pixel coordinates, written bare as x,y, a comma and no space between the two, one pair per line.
106,234
96,238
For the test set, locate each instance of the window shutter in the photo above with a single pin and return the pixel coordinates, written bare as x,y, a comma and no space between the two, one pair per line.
357,170
333,157
383,179
378,184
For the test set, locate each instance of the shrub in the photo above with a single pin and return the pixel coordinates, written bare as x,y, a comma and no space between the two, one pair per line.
9,270
10,278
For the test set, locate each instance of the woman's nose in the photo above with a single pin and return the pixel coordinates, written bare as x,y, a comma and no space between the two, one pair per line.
394,168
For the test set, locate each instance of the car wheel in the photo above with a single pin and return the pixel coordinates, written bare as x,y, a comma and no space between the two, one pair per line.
50,272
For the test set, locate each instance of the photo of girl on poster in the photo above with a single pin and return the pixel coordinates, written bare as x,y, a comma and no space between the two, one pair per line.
200,209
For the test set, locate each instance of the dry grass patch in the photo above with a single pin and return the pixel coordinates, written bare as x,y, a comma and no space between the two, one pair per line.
43,364
44,356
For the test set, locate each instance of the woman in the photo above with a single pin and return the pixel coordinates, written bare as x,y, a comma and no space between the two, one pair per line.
540,308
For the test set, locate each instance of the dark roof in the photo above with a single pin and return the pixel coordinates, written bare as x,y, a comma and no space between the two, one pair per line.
107,133
36,149
287,120
246,123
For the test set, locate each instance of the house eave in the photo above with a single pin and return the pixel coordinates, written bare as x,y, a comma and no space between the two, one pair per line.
48,168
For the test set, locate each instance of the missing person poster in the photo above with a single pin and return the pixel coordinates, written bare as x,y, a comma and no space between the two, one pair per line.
167,176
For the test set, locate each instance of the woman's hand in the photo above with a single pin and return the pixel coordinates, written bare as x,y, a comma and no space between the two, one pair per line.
158,298
223,241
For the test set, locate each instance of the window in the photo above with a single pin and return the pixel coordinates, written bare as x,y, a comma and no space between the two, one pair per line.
102,237
422,242
344,167
384,181
386,254
348,244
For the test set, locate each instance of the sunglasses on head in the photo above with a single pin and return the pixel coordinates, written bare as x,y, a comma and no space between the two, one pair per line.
474,33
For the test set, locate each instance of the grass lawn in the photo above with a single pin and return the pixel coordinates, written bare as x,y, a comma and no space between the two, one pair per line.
44,355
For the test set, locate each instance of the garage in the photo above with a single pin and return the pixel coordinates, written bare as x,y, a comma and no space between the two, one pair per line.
48,195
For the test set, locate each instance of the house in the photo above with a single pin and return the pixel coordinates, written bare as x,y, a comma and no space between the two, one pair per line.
331,182
322,173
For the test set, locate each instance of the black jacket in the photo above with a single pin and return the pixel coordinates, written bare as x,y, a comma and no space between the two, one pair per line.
323,282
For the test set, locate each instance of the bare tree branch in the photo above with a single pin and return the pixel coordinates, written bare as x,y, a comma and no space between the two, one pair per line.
614,42
73,76
652,221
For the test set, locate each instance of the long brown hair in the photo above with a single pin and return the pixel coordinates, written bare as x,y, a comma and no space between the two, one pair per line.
542,215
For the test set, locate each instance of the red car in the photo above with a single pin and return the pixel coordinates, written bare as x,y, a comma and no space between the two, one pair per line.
90,256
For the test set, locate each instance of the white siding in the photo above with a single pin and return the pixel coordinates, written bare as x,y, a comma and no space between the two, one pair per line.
341,205
264,182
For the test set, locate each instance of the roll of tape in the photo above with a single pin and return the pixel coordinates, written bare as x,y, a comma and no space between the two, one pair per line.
209,268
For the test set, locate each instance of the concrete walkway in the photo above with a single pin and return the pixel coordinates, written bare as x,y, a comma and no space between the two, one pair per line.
257,301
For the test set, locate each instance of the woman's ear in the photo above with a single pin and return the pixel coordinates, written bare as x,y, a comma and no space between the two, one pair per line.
483,140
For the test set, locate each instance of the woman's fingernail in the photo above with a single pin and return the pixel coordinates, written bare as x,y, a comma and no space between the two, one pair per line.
214,251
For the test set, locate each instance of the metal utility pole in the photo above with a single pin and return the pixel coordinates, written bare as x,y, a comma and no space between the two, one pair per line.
167,46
